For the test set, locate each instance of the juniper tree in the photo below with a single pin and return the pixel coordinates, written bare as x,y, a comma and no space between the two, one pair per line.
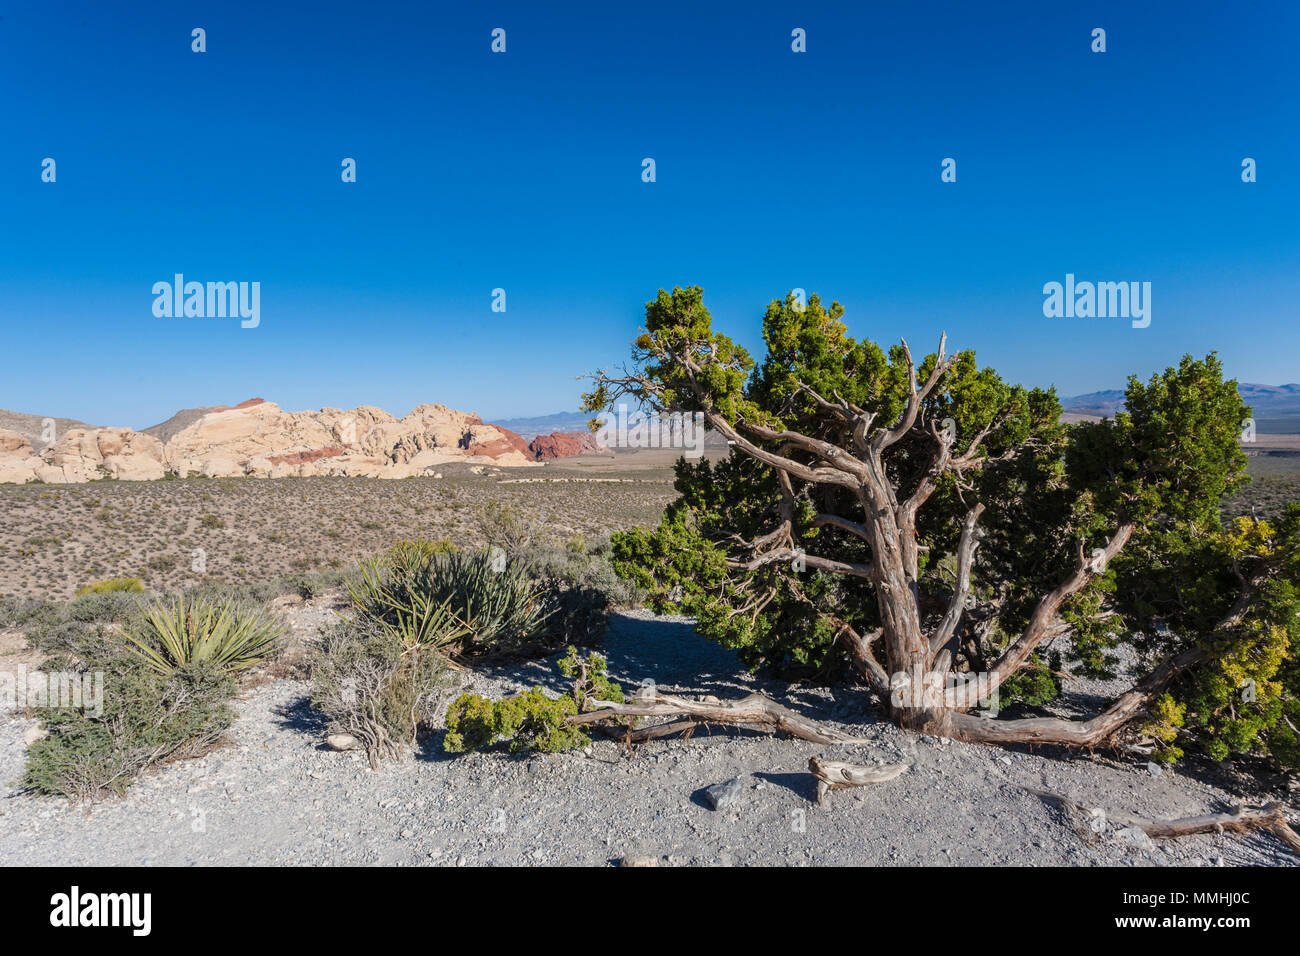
941,532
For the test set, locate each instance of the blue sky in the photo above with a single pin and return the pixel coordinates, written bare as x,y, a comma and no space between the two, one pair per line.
523,171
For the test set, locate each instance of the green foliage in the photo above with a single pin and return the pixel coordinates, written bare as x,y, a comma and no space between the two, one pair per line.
147,718
1165,466
111,586
401,597
414,551
531,720
1035,684
1246,698
175,633
458,601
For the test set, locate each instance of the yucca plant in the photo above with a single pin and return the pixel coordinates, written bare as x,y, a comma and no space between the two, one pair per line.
397,595
506,606
440,599
175,633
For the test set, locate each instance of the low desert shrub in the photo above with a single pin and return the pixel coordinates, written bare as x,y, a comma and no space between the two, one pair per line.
460,602
177,632
370,683
84,627
111,586
142,718
531,720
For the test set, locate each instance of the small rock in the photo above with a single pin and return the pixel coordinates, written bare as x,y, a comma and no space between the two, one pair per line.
34,733
342,742
639,861
1154,768
1135,838
723,795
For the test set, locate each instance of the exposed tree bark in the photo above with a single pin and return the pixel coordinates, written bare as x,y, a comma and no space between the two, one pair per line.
1270,817
912,671
1077,733
837,775
756,710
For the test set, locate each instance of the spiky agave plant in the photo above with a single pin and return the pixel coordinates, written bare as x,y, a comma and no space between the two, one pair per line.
441,598
506,606
398,596
174,633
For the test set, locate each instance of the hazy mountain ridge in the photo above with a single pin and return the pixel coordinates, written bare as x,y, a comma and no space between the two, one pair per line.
1276,407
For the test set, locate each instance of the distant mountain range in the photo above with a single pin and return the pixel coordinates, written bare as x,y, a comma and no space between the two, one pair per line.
530,428
1276,407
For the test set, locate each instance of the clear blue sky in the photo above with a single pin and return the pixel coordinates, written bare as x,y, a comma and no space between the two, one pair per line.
523,171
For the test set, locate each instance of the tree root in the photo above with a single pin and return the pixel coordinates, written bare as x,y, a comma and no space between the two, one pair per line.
837,775
756,710
1270,817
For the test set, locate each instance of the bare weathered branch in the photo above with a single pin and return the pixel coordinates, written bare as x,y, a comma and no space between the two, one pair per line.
961,588
1270,817
755,710
838,775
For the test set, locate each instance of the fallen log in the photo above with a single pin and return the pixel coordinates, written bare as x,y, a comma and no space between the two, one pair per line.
1269,817
756,710
837,775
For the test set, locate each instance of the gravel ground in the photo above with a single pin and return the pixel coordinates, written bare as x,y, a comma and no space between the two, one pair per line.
274,795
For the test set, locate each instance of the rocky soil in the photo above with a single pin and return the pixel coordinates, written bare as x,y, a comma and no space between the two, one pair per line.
275,795
55,539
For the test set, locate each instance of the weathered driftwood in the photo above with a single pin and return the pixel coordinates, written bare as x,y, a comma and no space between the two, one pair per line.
1270,817
756,710
838,775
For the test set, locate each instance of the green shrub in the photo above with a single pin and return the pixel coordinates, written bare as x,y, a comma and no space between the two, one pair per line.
402,600
177,632
417,550
82,628
531,720
146,718
212,521
371,684
112,585
457,601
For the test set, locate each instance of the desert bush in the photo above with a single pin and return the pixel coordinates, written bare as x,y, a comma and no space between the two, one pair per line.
417,550
146,718
531,720
177,632
82,628
460,602
371,684
112,585
503,526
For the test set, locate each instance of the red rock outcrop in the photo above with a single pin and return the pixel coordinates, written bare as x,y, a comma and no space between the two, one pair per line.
507,442
563,445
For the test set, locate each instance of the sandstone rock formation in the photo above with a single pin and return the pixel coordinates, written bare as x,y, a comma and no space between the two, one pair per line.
259,439
564,445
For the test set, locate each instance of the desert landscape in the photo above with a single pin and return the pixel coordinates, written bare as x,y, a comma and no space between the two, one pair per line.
545,436
272,793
